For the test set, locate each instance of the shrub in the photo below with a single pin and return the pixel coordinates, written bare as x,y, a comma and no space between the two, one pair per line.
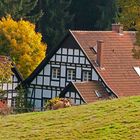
4,109
57,103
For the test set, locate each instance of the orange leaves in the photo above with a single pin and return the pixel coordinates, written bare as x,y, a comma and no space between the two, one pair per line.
21,42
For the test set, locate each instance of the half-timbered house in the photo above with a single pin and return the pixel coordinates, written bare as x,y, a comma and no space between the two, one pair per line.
10,87
103,57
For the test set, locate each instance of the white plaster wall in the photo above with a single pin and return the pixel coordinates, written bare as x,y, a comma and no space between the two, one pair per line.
9,86
70,59
46,80
70,51
9,95
76,52
77,96
87,62
47,69
94,75
67,95
63,71
81,53
58,92
78,72
30,92
53,93
5,86
82,60
15,85
76,59
55,83
47,93
14,94
62,82
41,72
9,102
56,66
15,78
37,104
64,51
64,58
59,51
88,69
34,81
53,58
72,94
39,80
77,102
38,93
58,58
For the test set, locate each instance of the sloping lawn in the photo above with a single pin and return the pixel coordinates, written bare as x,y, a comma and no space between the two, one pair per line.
106,120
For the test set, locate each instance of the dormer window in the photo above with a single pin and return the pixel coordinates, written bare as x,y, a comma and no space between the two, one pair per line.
137,69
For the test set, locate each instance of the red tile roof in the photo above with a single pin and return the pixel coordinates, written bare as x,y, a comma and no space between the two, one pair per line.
118,72
88,91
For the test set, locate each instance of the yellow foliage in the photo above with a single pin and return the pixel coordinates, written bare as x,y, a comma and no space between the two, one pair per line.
5,70
19,40
129,15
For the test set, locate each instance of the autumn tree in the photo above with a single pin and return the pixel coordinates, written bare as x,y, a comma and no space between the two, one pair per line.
5,73
19,40
129,16
129,13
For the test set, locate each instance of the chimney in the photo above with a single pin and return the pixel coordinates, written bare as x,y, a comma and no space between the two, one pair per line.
100,46
118,28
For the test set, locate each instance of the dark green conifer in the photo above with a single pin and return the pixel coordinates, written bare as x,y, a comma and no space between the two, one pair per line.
20,9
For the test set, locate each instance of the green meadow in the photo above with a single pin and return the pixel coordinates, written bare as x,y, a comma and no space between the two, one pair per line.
117,119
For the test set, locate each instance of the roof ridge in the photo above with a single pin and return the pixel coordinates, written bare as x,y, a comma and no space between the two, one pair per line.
99,31
87,31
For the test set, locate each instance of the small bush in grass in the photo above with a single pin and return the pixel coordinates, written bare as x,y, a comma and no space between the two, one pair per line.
4,109
57,103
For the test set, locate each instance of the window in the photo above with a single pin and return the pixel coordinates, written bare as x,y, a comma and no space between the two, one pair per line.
86,75
55,73
70,74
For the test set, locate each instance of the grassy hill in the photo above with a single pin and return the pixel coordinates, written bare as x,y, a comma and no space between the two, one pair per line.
106,120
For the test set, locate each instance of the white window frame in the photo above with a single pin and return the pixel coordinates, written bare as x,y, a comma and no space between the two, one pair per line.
71,74
86,75
55,73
